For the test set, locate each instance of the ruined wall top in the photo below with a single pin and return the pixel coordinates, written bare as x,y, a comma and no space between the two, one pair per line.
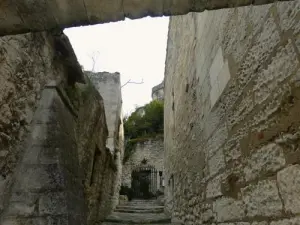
109,87
158,91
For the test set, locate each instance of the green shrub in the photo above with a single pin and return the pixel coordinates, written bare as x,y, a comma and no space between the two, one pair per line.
144,123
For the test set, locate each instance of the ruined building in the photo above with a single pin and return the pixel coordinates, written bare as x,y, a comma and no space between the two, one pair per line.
231,127
158,92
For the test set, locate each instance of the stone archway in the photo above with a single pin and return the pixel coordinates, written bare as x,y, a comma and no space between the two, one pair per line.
27,16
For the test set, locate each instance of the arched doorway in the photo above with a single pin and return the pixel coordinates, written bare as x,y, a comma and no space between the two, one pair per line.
144,182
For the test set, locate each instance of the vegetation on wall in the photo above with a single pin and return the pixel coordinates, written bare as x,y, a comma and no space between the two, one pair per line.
144,123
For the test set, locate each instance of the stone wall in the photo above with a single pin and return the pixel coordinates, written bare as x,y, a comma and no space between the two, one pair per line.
231,116
109,87
56,168
152,150
97,163
27,63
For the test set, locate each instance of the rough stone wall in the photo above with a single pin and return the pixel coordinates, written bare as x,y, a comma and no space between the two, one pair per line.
231,116
96,161
109,87
151,150
55,167
47,185
27,63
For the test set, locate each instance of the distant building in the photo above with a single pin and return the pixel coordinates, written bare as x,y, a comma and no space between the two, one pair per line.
158,91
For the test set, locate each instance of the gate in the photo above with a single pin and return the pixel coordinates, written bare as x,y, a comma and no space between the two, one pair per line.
144,182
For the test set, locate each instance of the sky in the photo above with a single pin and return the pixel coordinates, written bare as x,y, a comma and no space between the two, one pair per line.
134,48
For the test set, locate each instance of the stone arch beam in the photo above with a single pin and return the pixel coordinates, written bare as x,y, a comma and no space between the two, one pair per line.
20,16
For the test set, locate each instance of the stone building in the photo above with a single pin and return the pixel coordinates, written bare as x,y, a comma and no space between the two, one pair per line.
109,87
55,166
146,154
232,116
158,91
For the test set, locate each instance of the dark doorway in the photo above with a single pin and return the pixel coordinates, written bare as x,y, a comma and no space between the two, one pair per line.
144,182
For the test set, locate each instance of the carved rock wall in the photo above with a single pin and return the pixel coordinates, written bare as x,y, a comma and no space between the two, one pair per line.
56,168
231,116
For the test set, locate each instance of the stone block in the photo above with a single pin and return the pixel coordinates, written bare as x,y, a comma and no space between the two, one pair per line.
53,203
31,155
287,13
23,204
282,67
217,139
262,199
289,187
269,158
227,209
216,162
260,223
137,9
39,177
213,188
49,155
291,221
176,7
104,11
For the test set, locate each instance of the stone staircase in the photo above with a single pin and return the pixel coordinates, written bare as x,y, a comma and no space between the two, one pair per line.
138,212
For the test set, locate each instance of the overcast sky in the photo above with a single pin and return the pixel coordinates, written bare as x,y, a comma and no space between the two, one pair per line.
135,48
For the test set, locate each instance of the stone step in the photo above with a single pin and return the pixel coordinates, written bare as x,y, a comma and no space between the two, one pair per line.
139,207
142,203
109,223
138,218
140,210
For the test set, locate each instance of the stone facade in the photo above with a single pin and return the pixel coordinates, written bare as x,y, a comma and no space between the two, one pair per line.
109,87
153,151
158,91
26,16
56,168
231,116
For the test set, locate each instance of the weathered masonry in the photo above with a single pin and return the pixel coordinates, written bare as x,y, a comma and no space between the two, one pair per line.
55,167
109,87
147,154
20,16
232,125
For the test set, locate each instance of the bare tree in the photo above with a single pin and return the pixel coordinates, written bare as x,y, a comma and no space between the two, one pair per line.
132,82
94,57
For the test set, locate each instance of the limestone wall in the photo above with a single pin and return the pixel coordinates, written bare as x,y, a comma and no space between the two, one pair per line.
151,150
27,63
231,116
109,87
56,168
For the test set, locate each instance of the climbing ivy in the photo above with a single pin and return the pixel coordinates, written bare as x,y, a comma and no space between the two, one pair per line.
144,123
